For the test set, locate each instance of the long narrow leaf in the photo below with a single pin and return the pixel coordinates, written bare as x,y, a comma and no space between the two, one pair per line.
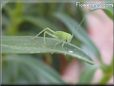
87,75
40,22
26,44
35,65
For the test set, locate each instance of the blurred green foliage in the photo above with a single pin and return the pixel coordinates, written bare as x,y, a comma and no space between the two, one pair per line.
29,19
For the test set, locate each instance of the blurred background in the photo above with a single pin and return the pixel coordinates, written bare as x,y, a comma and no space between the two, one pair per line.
29,18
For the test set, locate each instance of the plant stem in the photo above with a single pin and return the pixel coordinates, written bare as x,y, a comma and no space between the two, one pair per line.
107,72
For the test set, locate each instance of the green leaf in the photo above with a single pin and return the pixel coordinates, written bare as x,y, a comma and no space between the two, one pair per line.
87,74
30,67
107,72
26,44
0,69
40,22
10,72
78,32
109,12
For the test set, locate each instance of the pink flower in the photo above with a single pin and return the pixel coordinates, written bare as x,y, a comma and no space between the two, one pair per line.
100,28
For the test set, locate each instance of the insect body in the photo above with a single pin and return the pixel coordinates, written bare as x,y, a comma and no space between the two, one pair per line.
60,35
63,36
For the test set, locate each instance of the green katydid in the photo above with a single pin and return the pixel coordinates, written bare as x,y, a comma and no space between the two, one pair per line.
60,35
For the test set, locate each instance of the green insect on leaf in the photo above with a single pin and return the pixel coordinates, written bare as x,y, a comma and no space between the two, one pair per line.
60,35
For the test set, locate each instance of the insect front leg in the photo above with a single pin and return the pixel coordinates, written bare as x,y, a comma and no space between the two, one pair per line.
63,44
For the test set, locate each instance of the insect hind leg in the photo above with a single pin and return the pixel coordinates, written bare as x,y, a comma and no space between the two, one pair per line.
50,34
44,30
